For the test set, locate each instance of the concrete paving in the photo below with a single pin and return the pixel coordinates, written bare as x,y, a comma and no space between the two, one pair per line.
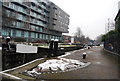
103,66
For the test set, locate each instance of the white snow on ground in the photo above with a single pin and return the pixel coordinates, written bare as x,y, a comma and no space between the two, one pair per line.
55,65
69,53
59,64
65,55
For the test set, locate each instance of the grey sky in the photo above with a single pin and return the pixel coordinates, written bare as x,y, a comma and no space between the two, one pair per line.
89,15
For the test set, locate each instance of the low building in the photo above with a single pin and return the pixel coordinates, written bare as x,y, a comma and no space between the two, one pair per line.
66,39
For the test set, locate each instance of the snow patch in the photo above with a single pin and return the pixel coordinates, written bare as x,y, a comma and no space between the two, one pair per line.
56,65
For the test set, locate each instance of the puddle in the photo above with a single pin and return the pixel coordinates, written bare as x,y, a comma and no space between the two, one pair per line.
98,62
89,51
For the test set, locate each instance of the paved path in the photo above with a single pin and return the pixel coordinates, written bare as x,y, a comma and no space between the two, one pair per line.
103,66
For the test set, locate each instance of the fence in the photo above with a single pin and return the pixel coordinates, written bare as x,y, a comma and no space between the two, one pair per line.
112,43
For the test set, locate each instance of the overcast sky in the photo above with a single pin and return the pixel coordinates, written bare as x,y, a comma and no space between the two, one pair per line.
89,15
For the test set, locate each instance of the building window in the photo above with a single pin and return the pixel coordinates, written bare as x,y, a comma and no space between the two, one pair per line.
39,16
26,33
33,13
24,18
18,33
32,27
40,36
19,16
46,36
33,20
37,28
18,24
40,29
13,23
33,6
7,13
11,5
52,37
13,14
20,9
39,10
36,35
32,35
39,22
5,32
6,3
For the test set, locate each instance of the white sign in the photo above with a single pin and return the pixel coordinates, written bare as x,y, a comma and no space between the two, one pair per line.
21,48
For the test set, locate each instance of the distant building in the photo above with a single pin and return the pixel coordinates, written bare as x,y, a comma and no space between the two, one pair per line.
66,39
109,26
34,20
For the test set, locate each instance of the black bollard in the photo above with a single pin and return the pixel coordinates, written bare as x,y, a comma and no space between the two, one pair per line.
51,48
7,40
84,55
88,47
8,43
55,47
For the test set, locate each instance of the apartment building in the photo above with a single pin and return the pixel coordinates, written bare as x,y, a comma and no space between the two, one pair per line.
33,20
117,18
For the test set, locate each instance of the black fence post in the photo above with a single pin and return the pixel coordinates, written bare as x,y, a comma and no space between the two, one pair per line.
51,48
84,55
55,47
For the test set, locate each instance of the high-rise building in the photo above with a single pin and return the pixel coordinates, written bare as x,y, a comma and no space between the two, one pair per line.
33,20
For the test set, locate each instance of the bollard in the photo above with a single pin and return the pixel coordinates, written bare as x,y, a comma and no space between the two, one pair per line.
88,47
8,43
84,55
51,48
7,40
55,47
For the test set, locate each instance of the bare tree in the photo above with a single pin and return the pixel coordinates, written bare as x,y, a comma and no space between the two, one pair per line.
79,32
98,39
79,37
